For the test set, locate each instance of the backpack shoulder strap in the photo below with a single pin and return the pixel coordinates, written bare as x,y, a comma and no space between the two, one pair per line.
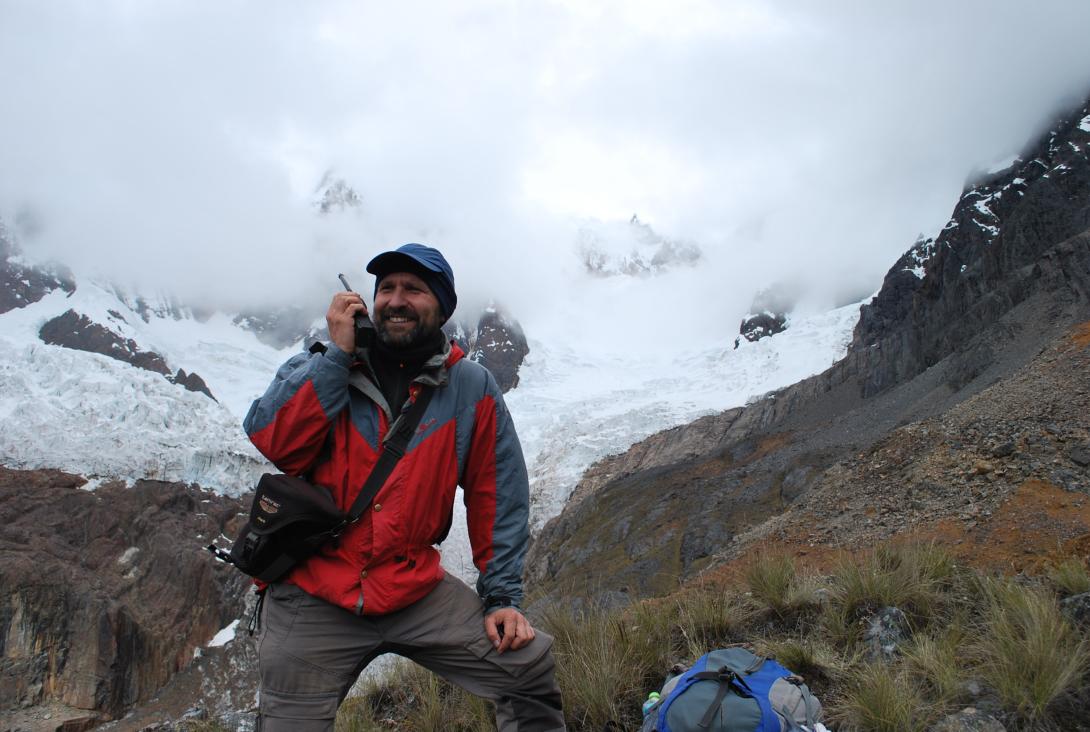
393,448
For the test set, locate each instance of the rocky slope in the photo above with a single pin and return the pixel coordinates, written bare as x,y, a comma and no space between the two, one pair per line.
1002,477
105,594
1006,280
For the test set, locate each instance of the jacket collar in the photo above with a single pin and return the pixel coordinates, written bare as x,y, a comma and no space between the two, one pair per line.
434,373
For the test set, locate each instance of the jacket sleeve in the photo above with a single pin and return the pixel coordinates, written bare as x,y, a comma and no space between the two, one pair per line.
289,423
497,498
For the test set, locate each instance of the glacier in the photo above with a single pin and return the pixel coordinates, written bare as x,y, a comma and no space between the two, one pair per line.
92,415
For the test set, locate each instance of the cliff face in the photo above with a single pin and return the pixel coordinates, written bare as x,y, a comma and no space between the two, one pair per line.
988,259
1006,280
106,594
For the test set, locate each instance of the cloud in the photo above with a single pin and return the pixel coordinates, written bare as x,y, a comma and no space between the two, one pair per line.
177,144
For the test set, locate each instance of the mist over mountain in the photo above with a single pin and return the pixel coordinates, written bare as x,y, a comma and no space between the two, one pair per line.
679,240
780,140
129,393
962,395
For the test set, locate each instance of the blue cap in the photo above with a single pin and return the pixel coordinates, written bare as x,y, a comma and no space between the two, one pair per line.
425,262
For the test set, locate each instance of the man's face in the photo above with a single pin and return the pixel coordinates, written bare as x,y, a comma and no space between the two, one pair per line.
406,311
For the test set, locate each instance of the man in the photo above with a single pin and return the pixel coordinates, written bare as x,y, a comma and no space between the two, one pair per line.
381,588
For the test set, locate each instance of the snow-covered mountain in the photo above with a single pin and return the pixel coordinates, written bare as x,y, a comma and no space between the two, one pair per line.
95,415
98,416
631,248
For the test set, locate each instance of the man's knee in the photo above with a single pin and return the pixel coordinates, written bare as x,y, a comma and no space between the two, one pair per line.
307,661
296,695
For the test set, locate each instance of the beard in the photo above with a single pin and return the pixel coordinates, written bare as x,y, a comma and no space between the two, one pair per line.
422,330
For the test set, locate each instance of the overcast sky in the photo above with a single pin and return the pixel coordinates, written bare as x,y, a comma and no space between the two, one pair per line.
180,142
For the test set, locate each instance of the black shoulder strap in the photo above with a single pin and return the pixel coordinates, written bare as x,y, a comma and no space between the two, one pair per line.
392,450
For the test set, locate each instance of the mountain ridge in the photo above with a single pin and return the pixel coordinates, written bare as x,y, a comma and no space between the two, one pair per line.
630,529
664,511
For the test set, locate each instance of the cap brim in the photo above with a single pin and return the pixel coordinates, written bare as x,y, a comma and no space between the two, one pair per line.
388,262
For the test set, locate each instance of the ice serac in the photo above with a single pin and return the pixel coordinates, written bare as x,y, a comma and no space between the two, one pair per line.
1007,280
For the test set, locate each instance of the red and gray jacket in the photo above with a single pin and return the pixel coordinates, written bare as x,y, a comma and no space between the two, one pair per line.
387,560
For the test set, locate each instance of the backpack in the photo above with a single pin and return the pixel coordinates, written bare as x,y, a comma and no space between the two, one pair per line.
733,690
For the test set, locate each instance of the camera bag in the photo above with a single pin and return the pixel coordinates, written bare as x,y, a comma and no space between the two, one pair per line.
292,518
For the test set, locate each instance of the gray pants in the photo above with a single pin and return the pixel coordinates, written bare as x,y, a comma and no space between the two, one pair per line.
311,653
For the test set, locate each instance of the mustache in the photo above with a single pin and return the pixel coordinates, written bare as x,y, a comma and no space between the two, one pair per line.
403,312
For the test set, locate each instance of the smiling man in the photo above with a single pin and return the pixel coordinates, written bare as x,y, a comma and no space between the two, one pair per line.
380,588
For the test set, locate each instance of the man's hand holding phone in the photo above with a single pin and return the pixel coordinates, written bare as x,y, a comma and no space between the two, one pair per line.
348,322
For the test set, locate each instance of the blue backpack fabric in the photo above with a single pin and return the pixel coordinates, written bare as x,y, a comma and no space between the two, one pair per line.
733,690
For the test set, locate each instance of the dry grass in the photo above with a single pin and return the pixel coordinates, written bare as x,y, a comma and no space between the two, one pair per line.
412,699
709,619
935,661
1028,652
599,661
1070,576
774,583
1009,636
916,578
815,660
881,699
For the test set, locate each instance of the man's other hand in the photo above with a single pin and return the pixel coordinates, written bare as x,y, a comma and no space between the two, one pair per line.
507,628
341,319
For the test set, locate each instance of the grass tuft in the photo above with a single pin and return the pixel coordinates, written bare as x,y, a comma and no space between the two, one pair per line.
1070,576
774,583
710,618
1028,652
911,577
599,666
878,699
811,658
936,662
770,578
1009,636
413,699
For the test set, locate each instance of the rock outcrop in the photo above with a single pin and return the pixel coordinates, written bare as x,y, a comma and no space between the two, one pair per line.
496,341
1006,234
22,284
766,323
335,195
106,594
1001,287
767,314
192,382
77,331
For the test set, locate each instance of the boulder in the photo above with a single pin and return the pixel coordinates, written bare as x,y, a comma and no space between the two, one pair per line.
886,631
1077,609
